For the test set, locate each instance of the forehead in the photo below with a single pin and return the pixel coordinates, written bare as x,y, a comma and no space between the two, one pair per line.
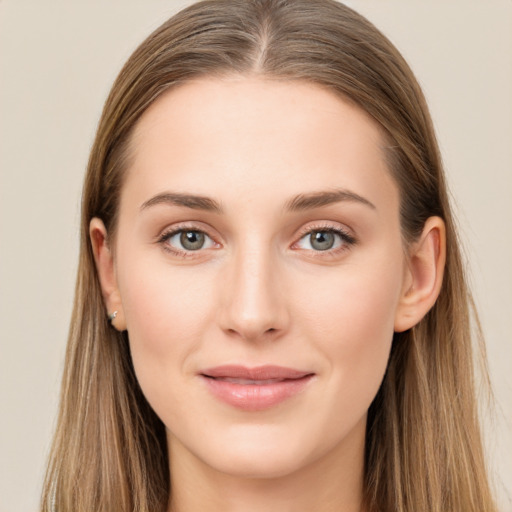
266,137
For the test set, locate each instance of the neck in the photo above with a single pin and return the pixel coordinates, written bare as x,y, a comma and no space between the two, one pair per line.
332,483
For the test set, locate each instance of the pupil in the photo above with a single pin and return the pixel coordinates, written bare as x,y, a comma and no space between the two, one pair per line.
192,240
322,240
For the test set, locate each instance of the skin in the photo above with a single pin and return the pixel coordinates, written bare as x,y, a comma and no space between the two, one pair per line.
259,292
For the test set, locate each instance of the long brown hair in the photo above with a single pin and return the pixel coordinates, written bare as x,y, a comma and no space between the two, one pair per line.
423,447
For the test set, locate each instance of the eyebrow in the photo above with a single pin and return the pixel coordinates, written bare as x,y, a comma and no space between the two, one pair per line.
300,202
324,198
187,200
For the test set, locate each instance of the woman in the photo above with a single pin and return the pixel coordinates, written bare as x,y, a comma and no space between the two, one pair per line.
271,311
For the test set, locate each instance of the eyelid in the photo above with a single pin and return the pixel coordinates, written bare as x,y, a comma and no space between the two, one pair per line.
346,236
173,230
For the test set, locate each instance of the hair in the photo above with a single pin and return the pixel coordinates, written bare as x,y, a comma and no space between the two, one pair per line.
423,442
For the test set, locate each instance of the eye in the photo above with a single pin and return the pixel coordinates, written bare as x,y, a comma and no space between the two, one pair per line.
188,240
325,240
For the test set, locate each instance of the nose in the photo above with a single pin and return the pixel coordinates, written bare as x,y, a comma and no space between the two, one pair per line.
253,302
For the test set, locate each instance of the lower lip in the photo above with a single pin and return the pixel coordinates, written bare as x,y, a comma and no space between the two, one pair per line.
255,397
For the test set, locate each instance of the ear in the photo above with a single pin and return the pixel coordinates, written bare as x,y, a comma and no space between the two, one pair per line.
106,272
423,275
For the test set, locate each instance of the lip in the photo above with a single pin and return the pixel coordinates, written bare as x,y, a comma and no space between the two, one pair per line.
254,389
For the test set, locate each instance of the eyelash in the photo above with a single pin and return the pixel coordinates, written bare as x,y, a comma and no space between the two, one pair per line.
167,235
347,240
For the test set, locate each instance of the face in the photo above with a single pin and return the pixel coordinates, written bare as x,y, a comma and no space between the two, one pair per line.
259,265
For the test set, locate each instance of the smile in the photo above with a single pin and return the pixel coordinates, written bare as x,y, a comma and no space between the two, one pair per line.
247,382
255,389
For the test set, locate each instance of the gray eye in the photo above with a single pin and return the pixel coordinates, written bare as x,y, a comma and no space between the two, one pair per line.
192,240
185,240
322,240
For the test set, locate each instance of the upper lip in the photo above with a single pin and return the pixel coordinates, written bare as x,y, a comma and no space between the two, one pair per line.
266,372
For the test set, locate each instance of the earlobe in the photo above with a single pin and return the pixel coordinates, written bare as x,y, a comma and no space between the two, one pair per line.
106,273
424,275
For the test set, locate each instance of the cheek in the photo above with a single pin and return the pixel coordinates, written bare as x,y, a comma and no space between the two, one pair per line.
160,301
351,321
167,312
353,304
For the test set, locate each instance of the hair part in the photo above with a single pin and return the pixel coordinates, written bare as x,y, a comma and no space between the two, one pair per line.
423,446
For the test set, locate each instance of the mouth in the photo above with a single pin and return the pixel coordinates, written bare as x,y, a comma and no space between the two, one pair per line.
255,389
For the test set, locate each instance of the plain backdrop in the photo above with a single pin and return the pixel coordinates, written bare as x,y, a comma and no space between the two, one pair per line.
58,60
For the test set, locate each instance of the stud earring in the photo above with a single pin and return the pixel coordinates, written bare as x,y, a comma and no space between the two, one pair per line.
112,316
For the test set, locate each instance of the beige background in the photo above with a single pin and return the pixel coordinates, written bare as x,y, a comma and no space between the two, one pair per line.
57,62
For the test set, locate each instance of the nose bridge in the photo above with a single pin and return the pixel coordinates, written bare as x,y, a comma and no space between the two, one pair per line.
253,304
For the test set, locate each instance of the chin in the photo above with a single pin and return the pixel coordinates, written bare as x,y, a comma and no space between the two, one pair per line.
272,451
259,462
253,451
